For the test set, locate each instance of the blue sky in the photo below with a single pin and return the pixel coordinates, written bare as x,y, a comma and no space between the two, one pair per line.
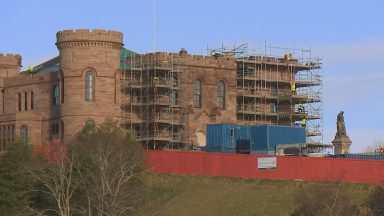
348,35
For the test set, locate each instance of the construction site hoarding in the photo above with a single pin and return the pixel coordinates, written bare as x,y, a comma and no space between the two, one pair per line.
244,166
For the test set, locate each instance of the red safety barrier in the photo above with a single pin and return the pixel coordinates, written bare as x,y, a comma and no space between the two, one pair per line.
53,151
245,166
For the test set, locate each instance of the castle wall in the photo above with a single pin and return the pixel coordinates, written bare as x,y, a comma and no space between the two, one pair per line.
210,71
36,117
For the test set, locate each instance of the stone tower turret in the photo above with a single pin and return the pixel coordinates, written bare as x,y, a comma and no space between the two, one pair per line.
89,77
10,65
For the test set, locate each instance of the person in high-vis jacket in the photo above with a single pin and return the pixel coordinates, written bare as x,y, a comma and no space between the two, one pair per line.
300,108
303,122
293,88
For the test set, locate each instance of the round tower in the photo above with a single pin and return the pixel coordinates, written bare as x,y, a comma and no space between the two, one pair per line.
10,65
89,78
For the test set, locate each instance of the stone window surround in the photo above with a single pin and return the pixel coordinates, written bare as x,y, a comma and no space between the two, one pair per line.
221,94
90,85
26,106
197,92
24,134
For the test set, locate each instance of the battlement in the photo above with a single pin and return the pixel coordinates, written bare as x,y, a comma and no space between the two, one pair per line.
27,79
10,60
188,59
89,35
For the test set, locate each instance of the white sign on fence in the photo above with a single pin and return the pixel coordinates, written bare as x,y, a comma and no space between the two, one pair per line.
266,163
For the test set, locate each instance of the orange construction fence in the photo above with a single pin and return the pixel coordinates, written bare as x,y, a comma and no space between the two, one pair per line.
246,166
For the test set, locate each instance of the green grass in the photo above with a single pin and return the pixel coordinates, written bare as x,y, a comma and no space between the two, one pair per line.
178,195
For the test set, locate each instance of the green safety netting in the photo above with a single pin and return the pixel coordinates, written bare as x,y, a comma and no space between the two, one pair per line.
124,54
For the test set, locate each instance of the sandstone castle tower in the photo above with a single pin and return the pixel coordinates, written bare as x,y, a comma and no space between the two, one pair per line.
88,77
10,65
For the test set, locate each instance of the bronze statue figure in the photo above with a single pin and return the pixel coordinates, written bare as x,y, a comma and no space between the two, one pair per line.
341,131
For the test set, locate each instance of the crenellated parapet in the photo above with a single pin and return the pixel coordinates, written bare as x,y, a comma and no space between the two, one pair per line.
29,79
84,38
10,61
158,58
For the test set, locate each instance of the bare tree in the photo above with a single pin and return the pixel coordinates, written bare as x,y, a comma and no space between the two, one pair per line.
110,162
58,182
376,146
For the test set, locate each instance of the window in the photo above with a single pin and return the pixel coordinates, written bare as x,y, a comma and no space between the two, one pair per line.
273,107
221,95
20,101
1,139
175,81
4,138
3,100
56,95
175,98
232,132
13,132
25,101
90,124
9,135
24,134
62,90
54,130
197,93
61,131
274,90
32,101
89,86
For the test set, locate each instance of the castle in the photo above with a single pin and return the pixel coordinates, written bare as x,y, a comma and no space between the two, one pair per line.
166,99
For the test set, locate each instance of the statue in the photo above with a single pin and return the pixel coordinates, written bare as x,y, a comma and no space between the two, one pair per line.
340,125
341,142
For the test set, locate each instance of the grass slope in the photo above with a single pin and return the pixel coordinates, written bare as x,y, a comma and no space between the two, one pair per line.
178,195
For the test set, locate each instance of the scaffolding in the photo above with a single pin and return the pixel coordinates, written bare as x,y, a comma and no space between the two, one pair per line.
152,103
275,86
278,86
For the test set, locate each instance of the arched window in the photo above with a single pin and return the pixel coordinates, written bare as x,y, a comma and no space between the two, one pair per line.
62,90
197,93
90,124
56,95
61,78
24,134
89,86
221,95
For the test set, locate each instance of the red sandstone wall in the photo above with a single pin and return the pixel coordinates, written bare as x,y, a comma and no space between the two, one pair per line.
245,166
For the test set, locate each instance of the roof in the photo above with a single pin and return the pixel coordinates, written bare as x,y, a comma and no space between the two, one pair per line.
52,65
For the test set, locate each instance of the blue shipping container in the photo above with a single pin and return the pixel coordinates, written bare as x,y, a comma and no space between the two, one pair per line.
269,136
228,138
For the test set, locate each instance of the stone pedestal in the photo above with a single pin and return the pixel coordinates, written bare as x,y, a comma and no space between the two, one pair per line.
341,144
